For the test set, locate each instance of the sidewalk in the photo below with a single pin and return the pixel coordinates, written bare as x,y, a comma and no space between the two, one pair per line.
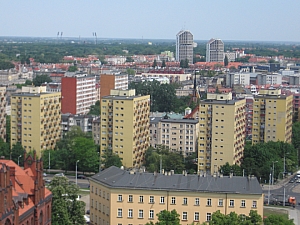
278,184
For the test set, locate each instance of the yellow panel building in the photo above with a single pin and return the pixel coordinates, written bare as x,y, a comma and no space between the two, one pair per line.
3,113
125,126
125,197
35,118
222,124
272,116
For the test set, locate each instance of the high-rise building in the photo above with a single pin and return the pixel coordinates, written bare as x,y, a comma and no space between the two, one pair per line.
222,131
125,126
127,197
215,50
3,113
112,81
272,116
35,118
184,46
78,93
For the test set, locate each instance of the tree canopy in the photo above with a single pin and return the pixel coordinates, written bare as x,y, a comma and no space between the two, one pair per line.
232,218
95,109
167,218
40,79
110,159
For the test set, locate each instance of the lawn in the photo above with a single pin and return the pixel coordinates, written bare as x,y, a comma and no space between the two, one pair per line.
275,210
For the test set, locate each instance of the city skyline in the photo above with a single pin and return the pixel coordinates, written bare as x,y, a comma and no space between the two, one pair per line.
227,20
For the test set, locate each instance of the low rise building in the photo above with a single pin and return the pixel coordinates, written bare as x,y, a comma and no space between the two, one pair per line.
96,131
83,121
126,197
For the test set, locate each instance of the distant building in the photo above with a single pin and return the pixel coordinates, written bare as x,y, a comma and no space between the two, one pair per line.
127,197
237,78
35,119
184,46
96,131
3,113
215,50
222,128
78,93
83,121
272,116
24,197
112,81
274,78
231,56
125,126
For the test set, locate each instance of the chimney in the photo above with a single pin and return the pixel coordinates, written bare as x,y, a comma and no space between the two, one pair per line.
155,173
163,171
12,171
172,172
169,173
230,175
2,157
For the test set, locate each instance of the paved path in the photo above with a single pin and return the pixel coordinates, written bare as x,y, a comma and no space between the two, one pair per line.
86,199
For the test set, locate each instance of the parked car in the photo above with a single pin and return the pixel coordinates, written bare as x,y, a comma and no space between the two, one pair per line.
59,175
80,176
87,212
44,174
47,181
292,180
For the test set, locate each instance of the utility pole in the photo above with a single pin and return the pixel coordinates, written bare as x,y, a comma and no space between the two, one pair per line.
273,172
160,164
269,189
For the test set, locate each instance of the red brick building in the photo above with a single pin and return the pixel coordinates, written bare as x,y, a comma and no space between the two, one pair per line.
24,199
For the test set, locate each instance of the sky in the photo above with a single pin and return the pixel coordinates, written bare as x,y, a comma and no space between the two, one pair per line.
241,20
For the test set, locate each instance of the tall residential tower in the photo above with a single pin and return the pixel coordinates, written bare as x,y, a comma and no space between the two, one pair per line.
184,46
215,50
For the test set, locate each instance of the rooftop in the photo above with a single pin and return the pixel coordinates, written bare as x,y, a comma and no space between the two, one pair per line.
115,177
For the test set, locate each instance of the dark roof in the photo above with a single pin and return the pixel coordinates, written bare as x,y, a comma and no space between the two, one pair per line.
115,177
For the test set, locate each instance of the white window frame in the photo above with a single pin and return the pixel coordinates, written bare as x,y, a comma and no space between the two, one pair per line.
120,213
141,213
197,201
196,216
130,213
162,200
184,215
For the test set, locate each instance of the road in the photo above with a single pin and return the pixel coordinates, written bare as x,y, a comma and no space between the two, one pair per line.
82,183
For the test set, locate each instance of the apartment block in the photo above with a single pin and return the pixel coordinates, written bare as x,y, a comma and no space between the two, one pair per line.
180,135
35,118
237,78
96,131
125,126
125,197
112,81
78,93
222,131
83,121
215,50
184,46
3,113
272,116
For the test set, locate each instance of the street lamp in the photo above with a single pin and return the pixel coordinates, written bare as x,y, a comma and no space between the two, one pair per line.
284,163
273,172
76,170
269,188
19,159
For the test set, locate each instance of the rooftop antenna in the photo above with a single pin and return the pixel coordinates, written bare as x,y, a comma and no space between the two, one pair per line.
96,37
61,33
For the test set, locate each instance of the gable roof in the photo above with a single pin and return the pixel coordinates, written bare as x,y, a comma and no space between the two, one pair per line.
115,177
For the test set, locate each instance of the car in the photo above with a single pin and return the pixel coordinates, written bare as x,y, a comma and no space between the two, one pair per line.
47,181
59,175
87,212
80,176
292,180
44,174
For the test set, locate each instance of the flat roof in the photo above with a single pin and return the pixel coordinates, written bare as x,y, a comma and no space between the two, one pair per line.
221,102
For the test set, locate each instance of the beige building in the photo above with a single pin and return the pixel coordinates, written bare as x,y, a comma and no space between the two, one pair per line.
3,113
125,126
122,197
35,118
179,135
272,116
222,129
96,131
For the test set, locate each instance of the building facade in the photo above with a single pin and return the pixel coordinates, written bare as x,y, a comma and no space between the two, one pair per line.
23,192
184,46
126,197
125,126
96,131
215,50
112,81
272,116
83,121
3,113
78,93
222,131
35,119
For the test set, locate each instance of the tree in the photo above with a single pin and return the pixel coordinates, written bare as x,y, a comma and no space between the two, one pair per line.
130,71
41,79
72,69
4,149
232,218
226,60
163,64
154,63
168,218
296,136
129,59
66,209
95,109
5,65
16,151
277,219
111,159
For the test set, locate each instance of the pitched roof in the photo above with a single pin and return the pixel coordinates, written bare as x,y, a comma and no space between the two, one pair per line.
115,177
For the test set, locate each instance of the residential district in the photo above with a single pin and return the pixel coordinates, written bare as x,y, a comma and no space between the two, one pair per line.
253,101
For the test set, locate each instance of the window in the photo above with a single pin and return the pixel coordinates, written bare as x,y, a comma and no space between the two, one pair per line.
208,216
197,202
184,215
220,203
196,216
231,203
130,213
119,212
208,202
141,213
120,198
185,201
243,203
254,204
162,200
141,199
173,200
130,198
151,214
151,199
